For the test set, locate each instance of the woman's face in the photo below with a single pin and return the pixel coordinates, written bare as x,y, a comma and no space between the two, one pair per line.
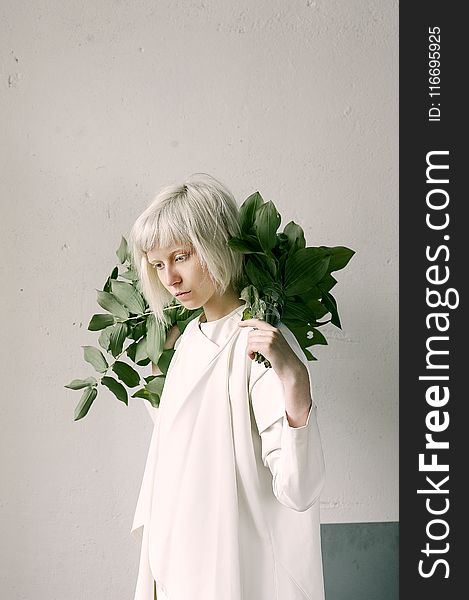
179,271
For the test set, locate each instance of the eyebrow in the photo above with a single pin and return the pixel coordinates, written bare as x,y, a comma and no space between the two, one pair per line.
155,260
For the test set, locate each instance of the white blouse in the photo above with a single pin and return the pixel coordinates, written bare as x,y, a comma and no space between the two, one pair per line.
293,455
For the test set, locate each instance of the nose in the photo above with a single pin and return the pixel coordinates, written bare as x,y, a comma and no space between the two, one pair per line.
171,276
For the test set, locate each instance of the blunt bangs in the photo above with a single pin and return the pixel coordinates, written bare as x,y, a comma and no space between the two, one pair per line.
201,214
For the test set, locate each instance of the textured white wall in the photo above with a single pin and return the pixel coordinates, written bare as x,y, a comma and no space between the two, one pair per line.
104,102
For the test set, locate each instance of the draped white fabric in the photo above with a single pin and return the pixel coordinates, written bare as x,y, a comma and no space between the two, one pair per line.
229,501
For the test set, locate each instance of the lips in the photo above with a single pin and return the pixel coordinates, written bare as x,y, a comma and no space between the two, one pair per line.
182,294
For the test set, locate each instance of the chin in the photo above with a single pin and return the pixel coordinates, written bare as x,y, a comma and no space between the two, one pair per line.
189,303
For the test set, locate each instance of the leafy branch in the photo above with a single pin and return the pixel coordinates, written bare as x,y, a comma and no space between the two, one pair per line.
287,280
128,321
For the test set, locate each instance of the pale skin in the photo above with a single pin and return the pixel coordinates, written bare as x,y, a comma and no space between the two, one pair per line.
179,270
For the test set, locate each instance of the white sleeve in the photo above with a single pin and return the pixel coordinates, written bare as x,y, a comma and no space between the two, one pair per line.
295,458
293,454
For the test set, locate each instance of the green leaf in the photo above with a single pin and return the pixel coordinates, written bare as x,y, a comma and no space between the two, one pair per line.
250,295
315,307
165,359
331,305
297,310
128,296
154,399
141,393
85,403
95,357
137,352
113,275
110,303
105,338
122,251
246,245
327,282
181,314
313,292
156,337
257,273
137,329
255,311
247,314
256,278
316,337
130,274
270,264
100,321
126,373
308,354
78,384
247,211
117,338
340,256
296,237
267,222
283,240
141,353
304,269
131,350
116,388
266,266
300,331
155,386
182,324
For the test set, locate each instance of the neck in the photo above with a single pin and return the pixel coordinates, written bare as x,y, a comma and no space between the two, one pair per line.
219,306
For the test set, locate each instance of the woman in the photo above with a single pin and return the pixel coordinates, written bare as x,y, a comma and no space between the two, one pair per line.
229,502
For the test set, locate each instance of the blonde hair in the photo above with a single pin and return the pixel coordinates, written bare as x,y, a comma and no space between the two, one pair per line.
200,213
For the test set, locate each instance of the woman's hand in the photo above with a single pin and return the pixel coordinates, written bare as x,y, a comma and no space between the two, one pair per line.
270,342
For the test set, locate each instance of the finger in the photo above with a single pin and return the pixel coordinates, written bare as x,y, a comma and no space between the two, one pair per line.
251,352
256,323
262,332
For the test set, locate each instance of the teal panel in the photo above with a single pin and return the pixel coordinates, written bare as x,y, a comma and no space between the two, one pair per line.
361,561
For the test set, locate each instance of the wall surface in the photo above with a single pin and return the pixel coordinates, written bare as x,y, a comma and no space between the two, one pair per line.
361,561
102,104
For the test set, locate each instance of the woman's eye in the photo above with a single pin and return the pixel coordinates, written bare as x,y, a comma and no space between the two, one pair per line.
183,257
